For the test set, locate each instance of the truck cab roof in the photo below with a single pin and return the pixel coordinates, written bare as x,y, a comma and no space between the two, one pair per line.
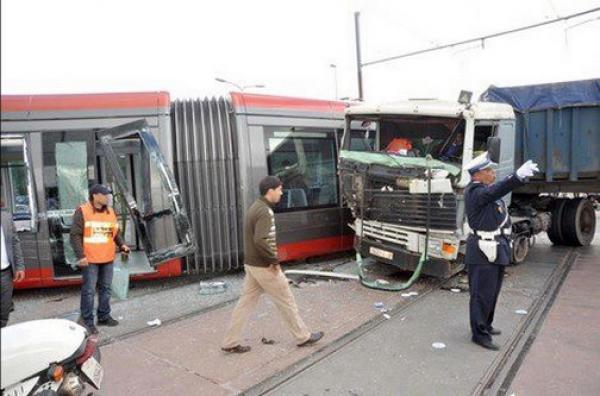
438,108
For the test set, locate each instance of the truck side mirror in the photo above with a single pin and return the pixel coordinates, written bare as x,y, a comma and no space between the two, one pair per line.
493,149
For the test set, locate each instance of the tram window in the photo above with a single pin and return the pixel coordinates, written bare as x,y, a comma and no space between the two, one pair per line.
305,161
68,173
17,183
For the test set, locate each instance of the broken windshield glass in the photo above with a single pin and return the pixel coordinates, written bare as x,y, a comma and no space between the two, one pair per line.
411,136
393,161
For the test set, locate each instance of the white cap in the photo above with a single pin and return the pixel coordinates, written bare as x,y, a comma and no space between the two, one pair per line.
480,162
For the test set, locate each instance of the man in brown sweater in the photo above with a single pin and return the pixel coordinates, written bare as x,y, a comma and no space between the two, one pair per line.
263,273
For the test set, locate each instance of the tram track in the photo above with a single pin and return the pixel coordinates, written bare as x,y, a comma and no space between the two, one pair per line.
499,376
306,363
496,379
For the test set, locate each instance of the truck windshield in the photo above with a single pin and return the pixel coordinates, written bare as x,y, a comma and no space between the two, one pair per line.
413,136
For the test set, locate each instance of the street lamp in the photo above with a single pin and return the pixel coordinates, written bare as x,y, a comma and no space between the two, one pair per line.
241,88
334,67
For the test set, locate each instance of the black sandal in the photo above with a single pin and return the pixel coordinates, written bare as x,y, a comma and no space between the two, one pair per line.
237,349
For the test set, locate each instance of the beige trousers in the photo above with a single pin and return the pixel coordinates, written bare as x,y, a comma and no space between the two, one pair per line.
275,284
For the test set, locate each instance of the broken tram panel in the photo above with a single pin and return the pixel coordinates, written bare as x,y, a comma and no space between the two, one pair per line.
161,210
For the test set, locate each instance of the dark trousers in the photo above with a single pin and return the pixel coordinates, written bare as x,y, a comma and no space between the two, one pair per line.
485,282
6,286
96,275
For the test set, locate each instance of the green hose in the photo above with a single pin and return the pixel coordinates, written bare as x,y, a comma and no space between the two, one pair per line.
398,286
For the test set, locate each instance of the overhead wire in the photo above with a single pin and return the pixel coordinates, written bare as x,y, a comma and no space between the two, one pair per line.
481,38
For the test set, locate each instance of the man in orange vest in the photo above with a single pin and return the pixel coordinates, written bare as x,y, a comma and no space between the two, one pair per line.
94,237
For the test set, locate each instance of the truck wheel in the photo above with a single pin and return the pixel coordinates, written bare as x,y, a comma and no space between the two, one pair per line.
555,230
578,222
520,249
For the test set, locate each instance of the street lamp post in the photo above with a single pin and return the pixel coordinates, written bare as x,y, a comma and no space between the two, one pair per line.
240,87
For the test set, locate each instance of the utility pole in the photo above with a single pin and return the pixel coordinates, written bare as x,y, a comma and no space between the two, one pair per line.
334,67
358,58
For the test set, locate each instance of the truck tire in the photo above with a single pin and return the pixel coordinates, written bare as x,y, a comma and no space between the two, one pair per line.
578,222
555,230
520,249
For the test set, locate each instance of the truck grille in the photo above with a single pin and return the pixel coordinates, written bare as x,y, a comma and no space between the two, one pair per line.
410,210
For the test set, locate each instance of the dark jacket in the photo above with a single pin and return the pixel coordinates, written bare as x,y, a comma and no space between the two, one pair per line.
13,244
485,212
76,234
260,240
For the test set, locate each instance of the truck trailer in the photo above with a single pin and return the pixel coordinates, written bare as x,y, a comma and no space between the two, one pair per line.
402,170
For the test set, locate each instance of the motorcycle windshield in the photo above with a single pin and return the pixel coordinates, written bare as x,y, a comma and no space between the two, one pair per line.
157,211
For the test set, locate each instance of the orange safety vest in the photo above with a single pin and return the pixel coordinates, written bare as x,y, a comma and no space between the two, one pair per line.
99,231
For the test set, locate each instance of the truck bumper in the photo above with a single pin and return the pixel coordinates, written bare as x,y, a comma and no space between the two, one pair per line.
406,260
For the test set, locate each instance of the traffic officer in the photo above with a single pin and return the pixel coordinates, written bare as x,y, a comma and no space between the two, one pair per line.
489,245
94,237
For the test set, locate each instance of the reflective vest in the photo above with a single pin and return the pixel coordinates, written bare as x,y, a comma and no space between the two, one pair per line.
99,231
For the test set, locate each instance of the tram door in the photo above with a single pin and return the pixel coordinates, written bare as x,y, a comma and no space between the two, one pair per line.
17,182
146,195
128,154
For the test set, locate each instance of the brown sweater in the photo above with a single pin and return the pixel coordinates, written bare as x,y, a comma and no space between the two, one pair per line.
260,243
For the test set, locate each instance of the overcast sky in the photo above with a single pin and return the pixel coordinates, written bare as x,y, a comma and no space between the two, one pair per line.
79,46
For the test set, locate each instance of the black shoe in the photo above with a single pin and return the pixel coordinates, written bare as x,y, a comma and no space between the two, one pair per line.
314,337
91,329
493,331
487,344
237,349
108,322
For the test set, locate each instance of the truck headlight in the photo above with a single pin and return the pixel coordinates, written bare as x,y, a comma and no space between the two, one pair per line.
439,248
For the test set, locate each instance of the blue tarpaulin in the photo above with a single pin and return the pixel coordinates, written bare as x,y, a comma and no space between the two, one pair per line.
546,96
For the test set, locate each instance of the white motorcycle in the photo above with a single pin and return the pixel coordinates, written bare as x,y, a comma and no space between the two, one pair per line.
49,357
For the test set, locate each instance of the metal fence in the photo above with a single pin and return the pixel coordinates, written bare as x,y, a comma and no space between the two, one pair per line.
207,171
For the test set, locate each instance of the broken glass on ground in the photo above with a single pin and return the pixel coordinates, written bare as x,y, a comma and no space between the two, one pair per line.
215,287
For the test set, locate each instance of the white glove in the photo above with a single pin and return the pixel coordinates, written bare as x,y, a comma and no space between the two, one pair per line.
527,169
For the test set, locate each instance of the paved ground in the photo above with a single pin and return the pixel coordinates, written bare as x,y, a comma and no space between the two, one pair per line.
362,353
191,347
398,357
565,357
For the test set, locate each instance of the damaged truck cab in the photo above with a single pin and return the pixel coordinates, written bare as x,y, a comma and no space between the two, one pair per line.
383,164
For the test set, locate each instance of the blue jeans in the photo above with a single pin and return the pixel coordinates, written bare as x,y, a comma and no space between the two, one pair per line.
96,275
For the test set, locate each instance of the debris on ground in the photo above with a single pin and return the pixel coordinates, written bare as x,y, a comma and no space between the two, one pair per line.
120,318
455,290
521,312
216,287
378,305
322,274
387,316
409,294
154,323
382,282
58,299
438,345
267,341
